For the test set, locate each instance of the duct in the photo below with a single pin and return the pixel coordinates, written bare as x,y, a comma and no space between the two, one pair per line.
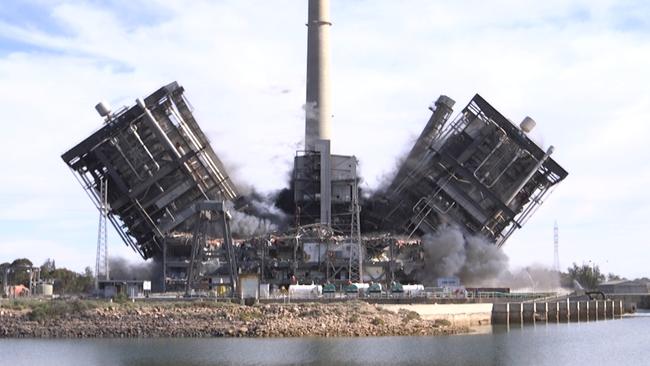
323,147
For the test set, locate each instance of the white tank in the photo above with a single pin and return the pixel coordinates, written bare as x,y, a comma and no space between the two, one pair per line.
362,286
103,108
305,290
527,124
45,289
413,289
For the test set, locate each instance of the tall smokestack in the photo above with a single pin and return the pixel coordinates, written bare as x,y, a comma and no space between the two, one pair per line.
317,106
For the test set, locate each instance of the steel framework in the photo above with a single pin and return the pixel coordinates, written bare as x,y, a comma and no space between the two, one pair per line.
158,163
102,269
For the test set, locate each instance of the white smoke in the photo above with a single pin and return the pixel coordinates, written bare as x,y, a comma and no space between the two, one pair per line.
533,278
245,225
472,258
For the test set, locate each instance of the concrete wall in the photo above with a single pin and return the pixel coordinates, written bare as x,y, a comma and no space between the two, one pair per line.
557,311
457,314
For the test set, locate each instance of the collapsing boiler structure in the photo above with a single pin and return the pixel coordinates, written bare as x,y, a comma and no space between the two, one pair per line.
167,191
478,171
156,164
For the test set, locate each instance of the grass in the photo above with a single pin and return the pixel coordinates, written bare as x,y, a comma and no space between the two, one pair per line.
407,316
249,316
57,309
377,321
442,323
15,305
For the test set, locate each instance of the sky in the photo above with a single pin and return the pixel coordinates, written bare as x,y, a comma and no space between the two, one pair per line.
580,68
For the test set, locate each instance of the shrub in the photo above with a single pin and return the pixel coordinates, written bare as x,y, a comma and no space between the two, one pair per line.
120,298
56,309
442,323
353,318
249,316
377,321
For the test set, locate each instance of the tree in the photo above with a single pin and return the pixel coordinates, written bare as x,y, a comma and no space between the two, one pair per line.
588,276
4,274
48,266
614,277
20,269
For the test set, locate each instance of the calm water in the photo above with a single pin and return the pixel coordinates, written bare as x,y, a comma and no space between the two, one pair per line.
621,342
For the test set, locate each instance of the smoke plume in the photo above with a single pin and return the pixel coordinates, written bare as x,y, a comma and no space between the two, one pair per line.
122,269
450,252
529,279
259,216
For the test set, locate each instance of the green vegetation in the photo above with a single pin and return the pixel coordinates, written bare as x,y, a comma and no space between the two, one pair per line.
120,298
353,318
587,275
249,316
65,281
408,315
58,309
442,323
377,321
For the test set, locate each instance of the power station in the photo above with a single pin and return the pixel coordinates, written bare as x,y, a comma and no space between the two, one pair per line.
151,169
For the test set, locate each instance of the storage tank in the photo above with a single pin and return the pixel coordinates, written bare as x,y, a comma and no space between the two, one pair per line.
45,289
413,290
305,291
375,288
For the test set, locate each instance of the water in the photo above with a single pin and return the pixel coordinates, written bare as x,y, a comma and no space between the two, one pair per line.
609,342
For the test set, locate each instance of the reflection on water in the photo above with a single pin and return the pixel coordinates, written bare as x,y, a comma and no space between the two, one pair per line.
552,344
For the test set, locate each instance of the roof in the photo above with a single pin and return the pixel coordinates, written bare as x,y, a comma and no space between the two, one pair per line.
625,282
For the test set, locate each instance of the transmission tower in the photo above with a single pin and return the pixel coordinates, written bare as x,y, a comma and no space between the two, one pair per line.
355,269
556,248
101,262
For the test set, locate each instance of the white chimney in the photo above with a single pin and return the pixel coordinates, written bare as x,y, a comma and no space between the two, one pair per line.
318,114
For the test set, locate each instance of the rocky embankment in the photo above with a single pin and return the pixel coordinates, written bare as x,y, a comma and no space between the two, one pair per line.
211,319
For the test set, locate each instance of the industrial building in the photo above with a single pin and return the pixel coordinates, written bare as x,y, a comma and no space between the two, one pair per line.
151,171
625,287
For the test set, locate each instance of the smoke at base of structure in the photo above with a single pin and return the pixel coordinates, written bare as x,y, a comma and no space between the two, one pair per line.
450,252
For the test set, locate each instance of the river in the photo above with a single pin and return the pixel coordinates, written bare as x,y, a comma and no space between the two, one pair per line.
610,342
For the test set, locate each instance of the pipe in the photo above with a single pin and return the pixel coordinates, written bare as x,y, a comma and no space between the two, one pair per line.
153,121
530,175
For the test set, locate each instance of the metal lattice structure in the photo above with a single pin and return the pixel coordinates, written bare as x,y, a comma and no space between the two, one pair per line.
102,269
158,163
479,172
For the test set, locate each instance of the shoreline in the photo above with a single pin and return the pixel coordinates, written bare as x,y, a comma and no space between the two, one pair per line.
208,319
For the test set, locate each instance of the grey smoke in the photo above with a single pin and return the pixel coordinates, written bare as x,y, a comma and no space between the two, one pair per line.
450,252
122,269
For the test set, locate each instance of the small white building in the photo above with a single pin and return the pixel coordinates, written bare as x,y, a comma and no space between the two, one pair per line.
132,288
